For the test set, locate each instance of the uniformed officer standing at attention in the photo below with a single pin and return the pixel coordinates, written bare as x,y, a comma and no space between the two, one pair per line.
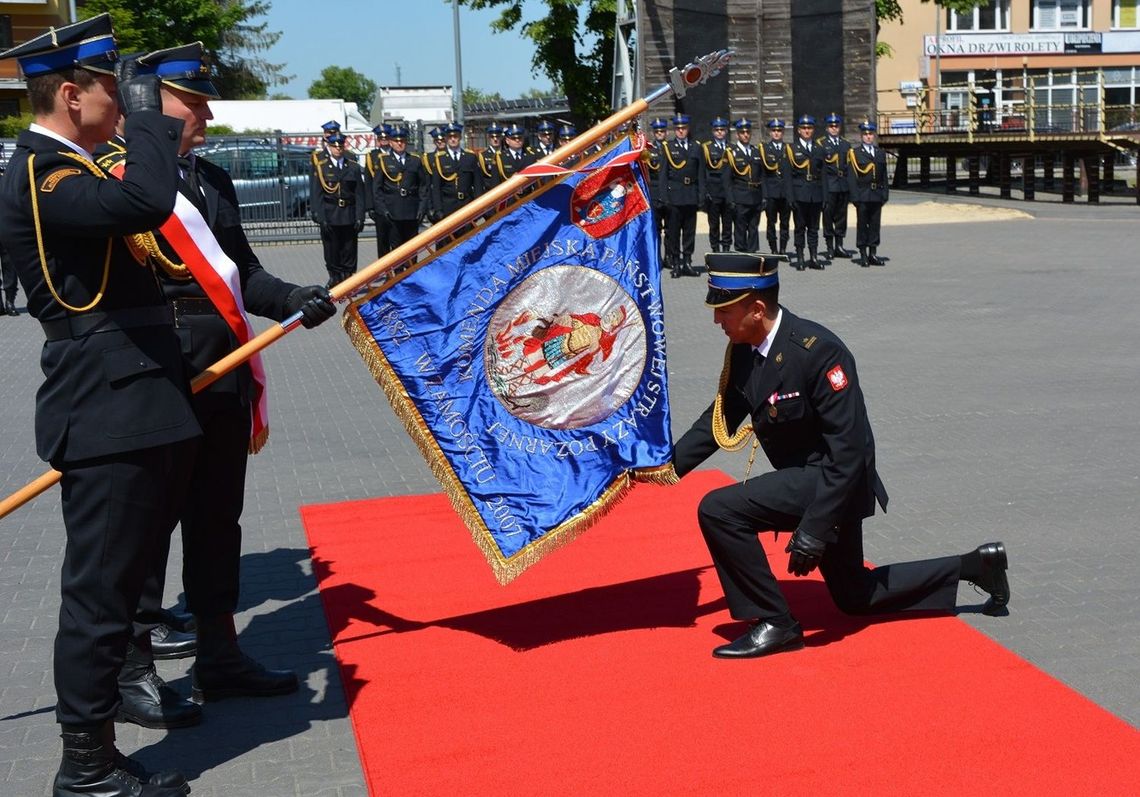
776,205
454,175
7,271
486,157
545,130
652,159
803,183
230,410
438,143
715,202
798,384
835,191
113,414
329,128
680,177
566,134
336,205
385,231
400,188
867,179
510,159
742,184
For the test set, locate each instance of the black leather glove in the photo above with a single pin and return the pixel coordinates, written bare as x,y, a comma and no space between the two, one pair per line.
136,92
359,226
806,551
313,301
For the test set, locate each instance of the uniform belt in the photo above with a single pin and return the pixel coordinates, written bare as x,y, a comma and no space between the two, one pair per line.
459,195
80,326
687,181
342,203
403,192
191,305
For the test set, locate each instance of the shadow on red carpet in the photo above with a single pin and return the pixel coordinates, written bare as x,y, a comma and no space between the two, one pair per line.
591,673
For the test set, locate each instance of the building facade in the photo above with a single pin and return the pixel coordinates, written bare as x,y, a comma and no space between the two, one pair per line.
20,21
1052,65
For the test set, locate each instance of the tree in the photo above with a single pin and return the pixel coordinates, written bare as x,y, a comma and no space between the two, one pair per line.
345,83
474,96
891,11
228,29
575,53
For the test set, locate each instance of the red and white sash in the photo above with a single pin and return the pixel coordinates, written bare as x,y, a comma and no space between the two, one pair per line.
191,239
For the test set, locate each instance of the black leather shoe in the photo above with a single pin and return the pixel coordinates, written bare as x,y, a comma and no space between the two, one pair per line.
241,678
10,308
179,621
813,261
166,643
688,270
150,702
675,273
763,639
92,765
841,253
993,579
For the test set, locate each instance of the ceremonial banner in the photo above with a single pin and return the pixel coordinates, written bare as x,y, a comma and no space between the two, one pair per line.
528,360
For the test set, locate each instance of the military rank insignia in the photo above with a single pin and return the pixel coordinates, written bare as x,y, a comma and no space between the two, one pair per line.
837,378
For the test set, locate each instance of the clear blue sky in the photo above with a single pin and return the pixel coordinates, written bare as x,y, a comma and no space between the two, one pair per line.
373,36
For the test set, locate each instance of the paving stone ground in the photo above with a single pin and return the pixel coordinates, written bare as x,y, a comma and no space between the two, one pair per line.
1001,368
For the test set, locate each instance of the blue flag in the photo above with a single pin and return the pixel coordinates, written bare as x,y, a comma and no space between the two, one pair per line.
528,360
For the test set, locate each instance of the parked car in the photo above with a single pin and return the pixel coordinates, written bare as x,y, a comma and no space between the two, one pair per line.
272,182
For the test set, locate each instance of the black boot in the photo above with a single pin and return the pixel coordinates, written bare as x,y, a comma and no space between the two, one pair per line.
800,263
166,642
92,765
179,621
147,699
813,260
830,249
783,244
772,246
839,250
222,670
863,257
875,259
10,306
675,272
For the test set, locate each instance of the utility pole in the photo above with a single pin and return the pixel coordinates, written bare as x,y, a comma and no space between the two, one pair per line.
398,83
458,64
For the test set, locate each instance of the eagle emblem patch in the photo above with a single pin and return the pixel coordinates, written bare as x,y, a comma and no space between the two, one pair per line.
837,378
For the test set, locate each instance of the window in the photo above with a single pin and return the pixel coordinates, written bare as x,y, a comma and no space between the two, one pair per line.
1059,14
5,31
1124,14
993,15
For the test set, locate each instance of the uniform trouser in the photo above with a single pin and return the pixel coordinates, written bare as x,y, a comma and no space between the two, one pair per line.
720,224
835,215
746,228
777,208
385,235
659,214
806,216
731,516
868,216
339,242
680,234
211,528
404,230
116,509
7,276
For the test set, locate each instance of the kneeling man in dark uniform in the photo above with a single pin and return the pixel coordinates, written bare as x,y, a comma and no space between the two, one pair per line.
797,381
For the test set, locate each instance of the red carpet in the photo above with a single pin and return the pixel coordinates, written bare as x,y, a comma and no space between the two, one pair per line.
591,674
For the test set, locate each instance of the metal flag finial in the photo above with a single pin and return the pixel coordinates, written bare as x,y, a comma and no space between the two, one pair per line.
697,72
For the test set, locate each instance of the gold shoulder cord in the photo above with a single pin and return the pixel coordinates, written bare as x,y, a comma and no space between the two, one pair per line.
732,162
483,164
707,147
389,177
669,157
40,238
321,178
774,166
801,165
870,167
452,178
723,439
371,168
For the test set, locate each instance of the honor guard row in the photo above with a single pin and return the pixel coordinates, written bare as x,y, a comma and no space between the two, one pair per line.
807,179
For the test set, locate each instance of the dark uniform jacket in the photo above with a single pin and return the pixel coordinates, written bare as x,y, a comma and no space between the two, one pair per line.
803,179
124,387
502,165
742,181
808,413
454,181
867,176
713,167
397,190
835,165
336,193
774,158
652,160
680,173
205,337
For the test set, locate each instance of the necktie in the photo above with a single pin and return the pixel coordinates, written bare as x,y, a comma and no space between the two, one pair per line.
870,151
191,177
